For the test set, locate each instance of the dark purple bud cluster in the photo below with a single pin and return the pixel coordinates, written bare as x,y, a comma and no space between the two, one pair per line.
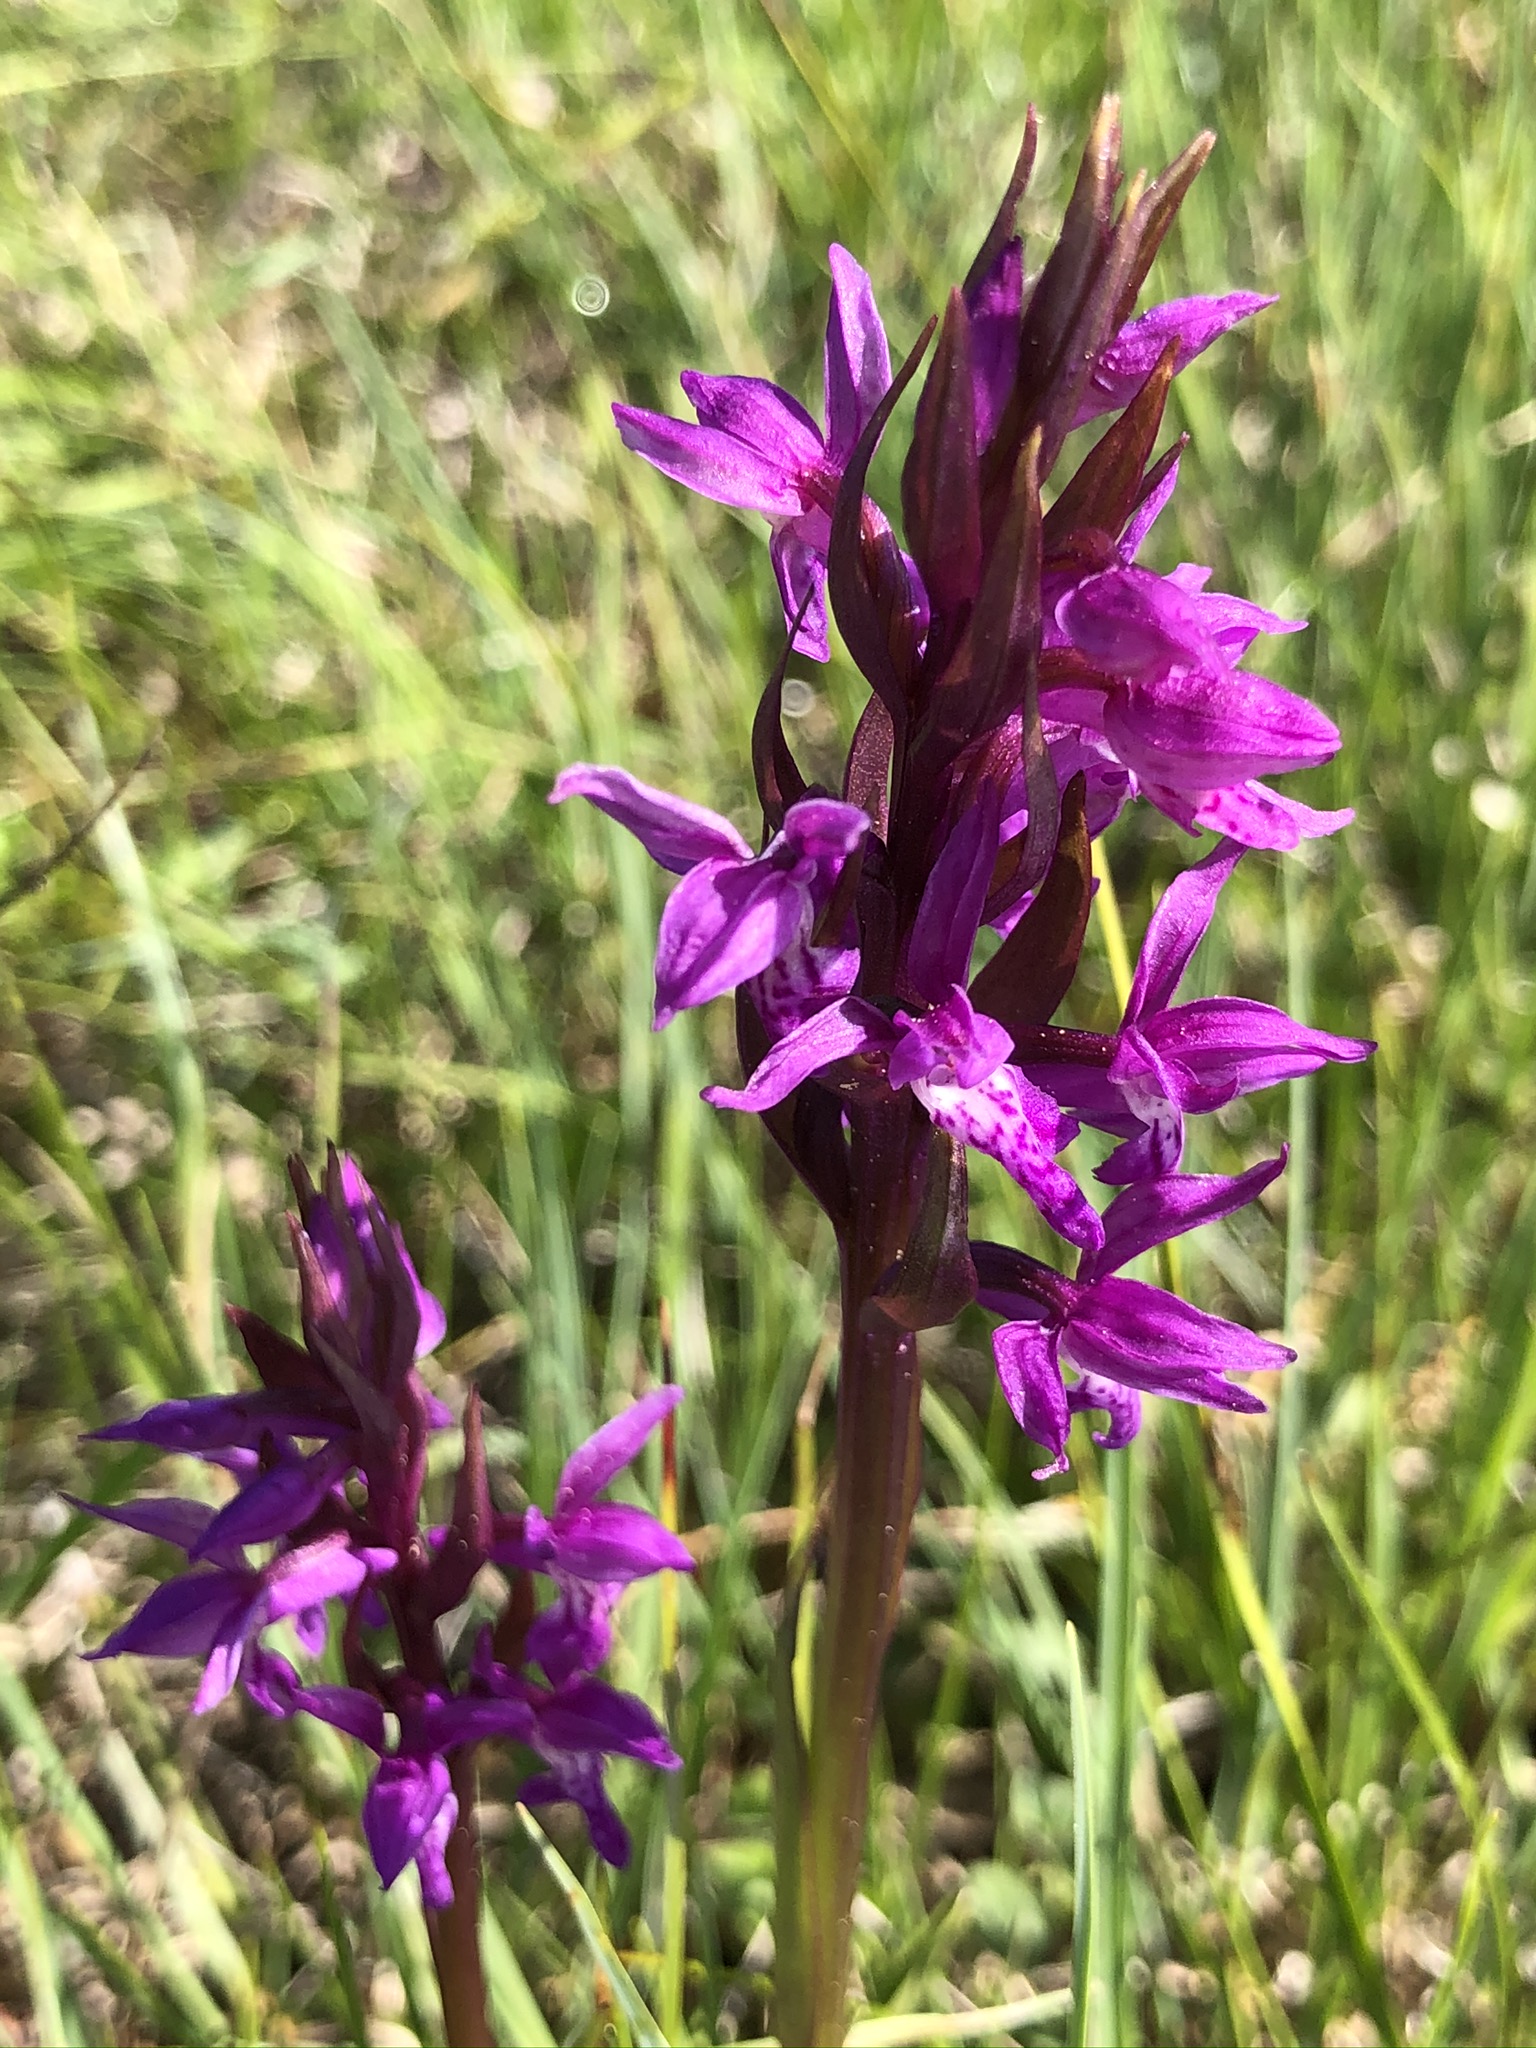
330,1455
1028,678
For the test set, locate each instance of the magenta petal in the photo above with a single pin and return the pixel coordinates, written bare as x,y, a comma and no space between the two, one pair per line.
800,570
1031,1381
278,1502
1223,1046
676,834
184,1617
1122,1405
432,1857
614,1543
759,414
224,1662
714,464
182,1522
835,1033
311,1575
605,1454
589,1715
995,307
950,1046
1200,730
214,1422
1175,928
1134,623
1152,1211
1255,815
857,358
725,922
1146,515
580,1779
1193,324
944,931
405,1798
1019,1126
574,1635
1147,1338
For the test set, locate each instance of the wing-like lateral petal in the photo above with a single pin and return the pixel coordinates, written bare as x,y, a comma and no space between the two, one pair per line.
1175,928
857,358
714,464
675,833
835,1033
1030,1377
605,1454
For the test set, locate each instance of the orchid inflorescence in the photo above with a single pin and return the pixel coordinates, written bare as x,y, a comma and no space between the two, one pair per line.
341,1519
1028,678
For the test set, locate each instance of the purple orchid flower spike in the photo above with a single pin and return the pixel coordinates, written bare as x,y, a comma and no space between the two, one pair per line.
1191,324
953,1059
1171,1060
592,1549
756,447
736,916
1123,1338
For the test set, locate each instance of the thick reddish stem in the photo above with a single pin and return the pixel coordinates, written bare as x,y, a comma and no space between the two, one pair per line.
455,1931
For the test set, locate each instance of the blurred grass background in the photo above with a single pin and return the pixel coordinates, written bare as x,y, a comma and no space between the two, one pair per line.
311,507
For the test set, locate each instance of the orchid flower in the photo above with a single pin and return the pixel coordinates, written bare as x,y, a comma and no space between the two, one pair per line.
756,447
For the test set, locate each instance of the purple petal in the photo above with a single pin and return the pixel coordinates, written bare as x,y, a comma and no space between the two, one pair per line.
224,1660
995,307
857,359
803,980
800,570
405,1798
1122,1405
822,830
431,1857
575,1634
588,1715
1234,624
1031,1381
273,1684
1175,928
724,923
449,1722
1228,1045
310,1626
1205,730
1145,517
1134,353
1134,623
1151,1212
581,1781
949,915
278,1502
836,1033
1154,1097
676,834
951,1046
1146,1338
1017,1124
312,1574
713,463
215,1422
181,1522
605,1453
183,1617
760,414
1254,815
614,1543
